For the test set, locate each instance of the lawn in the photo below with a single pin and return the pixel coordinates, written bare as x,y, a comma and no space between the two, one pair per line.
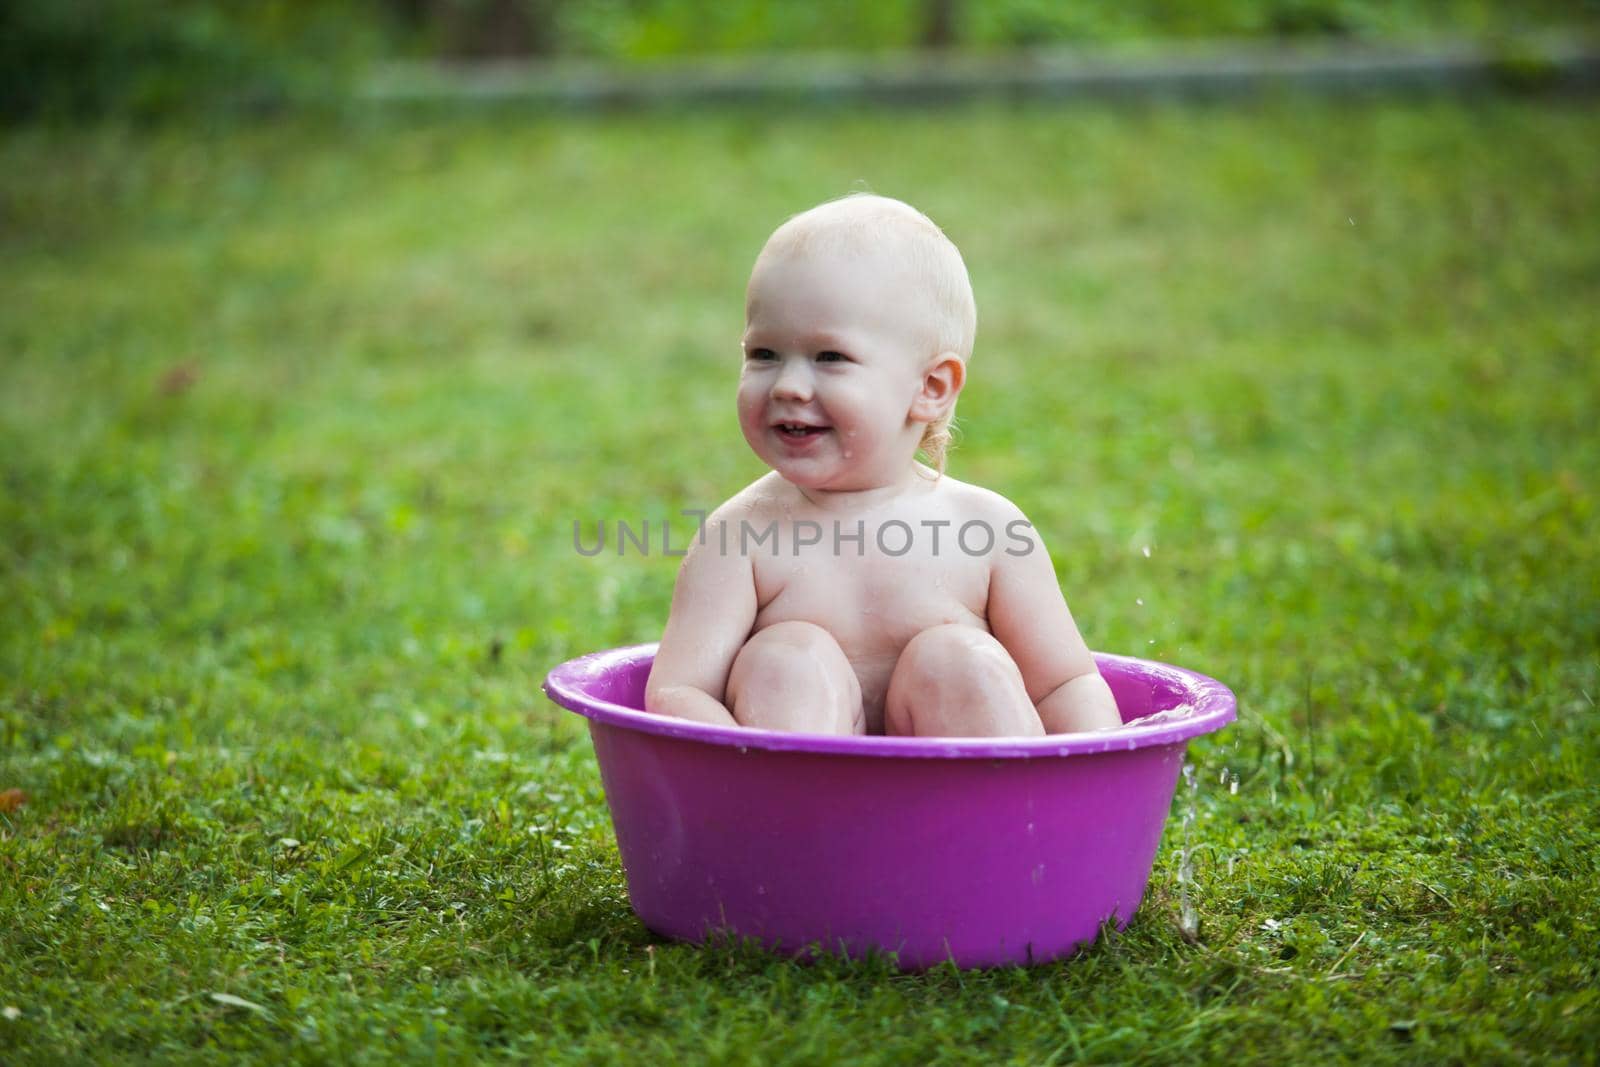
296,418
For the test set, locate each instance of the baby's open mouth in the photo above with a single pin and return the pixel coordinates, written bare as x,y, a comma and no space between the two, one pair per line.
800,429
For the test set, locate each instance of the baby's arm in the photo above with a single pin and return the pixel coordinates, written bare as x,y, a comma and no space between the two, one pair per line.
1029,616
713,610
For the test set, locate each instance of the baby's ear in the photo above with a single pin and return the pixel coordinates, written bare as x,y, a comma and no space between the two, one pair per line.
941,384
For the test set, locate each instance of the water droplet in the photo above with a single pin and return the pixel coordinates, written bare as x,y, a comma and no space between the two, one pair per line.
1188,915
1172,714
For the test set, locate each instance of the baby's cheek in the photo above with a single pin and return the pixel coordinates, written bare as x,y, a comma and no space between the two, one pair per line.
751,427
746,416
749,421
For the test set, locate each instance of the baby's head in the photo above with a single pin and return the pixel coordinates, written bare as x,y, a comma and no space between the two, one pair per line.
920,292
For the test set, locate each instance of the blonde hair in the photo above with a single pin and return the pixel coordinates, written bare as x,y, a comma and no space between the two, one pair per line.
864,222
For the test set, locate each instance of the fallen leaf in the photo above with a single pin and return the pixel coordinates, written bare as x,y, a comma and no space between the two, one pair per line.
239,1002
179,379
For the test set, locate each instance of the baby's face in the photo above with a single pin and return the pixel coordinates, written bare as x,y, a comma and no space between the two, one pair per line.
835,348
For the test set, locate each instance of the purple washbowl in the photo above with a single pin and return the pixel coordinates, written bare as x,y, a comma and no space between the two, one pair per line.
982,851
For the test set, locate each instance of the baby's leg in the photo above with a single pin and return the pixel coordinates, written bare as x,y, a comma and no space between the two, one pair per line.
794,676
957,681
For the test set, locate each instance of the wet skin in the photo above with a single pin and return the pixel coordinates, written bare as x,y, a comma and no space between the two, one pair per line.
912,633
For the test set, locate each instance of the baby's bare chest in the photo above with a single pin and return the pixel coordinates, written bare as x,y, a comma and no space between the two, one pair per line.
872,602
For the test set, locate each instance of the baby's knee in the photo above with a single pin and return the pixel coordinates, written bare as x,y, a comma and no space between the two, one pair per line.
794,676
962,656
796,634
789,648
956,681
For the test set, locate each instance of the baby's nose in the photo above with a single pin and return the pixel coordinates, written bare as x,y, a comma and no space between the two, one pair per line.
794,381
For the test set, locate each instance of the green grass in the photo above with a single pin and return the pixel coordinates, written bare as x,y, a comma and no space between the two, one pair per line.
295,420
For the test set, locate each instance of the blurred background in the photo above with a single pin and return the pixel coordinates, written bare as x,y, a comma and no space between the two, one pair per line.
304,381
273,343
149,57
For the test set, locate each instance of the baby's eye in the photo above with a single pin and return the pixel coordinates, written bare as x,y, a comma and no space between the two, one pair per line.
832,357
760,354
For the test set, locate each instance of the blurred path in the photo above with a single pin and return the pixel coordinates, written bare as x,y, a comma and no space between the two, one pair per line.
1223,69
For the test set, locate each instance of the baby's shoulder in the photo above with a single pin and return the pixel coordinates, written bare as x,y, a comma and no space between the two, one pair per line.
752,508
715,554
982,516
768,495
969,502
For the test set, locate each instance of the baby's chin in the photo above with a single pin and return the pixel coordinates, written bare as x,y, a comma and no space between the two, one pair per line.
802,476
822,473
830,481
809,471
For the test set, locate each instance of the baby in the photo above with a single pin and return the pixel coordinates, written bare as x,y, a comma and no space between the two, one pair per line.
854,590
